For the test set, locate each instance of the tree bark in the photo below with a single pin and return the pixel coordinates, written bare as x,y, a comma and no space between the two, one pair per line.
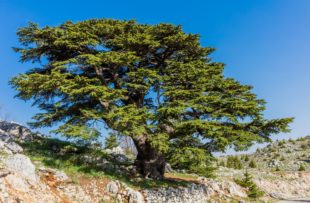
149,162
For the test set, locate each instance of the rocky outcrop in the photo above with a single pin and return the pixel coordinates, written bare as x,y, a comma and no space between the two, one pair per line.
292,185
7,144
18,131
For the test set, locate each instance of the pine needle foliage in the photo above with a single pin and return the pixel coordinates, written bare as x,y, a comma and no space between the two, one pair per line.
233,162
247,182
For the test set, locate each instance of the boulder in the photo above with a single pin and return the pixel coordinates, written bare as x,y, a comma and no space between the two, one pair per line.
21,165
135,196
112,187
168,168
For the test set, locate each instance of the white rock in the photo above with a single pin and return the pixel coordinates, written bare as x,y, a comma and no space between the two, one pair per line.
112,187
135,196
22,165
115,150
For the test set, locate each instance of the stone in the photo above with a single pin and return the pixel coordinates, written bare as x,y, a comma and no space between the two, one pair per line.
115,150
112,187
22,165
168,168
135,196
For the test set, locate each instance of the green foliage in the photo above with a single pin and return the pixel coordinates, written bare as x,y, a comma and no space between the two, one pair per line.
233,162
154,83
111,141
301,139
281,143
301,168
246,158
193,160
222,163
252,164
252,190
277,169
54,153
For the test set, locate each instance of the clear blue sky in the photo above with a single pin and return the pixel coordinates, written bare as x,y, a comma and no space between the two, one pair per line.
265,43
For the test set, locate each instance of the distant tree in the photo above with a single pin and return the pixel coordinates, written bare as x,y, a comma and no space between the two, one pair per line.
252,164
234,162
111,141
153,83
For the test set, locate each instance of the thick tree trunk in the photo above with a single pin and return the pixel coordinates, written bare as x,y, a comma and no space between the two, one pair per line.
149,162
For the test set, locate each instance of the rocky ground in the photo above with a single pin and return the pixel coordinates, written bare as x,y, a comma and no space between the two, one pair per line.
282,169
31,173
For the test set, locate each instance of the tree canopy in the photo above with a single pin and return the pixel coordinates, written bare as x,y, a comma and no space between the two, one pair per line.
153,83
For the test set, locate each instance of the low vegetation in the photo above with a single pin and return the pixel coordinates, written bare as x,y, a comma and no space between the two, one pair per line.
70,158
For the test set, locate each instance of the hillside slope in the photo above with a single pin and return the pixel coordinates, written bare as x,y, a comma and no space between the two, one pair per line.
34,168
282,169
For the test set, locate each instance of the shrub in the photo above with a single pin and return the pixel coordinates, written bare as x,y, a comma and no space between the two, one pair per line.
252,190
304,146
301,168
281,143
222,163
233,162
252,164
246,158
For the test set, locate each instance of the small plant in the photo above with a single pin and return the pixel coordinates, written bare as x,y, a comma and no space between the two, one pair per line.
281,143
304,146
301,139
282,158
272,150
246,158
277,168
222,163
233,162
258,150
288,151
276,155
252,164
252,190
301,168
